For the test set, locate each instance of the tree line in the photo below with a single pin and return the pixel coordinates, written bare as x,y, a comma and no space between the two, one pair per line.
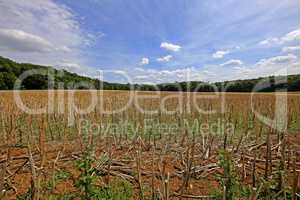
10,71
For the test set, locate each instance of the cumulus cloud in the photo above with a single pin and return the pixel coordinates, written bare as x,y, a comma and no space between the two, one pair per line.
163,76
144,61
277,65
277,60
232,62
292,48
220,54
41,32
170,46
165,58
235,69
289,37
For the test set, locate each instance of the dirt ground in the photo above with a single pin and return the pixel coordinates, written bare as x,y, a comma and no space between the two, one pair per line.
163,160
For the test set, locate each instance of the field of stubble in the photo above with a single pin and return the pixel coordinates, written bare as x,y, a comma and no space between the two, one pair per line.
147,145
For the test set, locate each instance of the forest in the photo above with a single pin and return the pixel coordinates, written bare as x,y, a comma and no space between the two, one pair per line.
11,70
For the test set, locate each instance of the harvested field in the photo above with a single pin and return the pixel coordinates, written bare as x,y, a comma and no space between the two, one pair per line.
147,145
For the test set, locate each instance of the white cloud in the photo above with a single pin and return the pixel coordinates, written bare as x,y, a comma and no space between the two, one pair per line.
283,64
144,61
139,69
278,65
277,60
165,58
294,35
70,66
232,62
289,37
170,46
141,77
269,41
18,40
164,76
41,32
220,54
292,48
77,68
92,38
242,70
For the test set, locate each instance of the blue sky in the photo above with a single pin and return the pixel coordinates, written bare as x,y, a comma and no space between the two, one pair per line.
153,41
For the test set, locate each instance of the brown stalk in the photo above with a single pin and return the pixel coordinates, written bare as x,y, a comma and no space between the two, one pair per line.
189,164
42,140
166,187
244,172
254,171
184,137
138,165
152,174
56,160
34,174
282,167
109,163
295,180
268,156
2,179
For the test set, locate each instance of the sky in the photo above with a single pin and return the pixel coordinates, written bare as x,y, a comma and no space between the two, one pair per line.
155,41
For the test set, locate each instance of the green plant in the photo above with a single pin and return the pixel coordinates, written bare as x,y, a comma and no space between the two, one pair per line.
122,189
62,197
27,195
86,178
86,183
231,187
106,193
62,175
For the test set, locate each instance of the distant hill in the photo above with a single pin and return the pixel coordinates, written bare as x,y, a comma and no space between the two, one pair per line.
10,71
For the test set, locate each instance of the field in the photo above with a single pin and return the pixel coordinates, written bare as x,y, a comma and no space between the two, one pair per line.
147,145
